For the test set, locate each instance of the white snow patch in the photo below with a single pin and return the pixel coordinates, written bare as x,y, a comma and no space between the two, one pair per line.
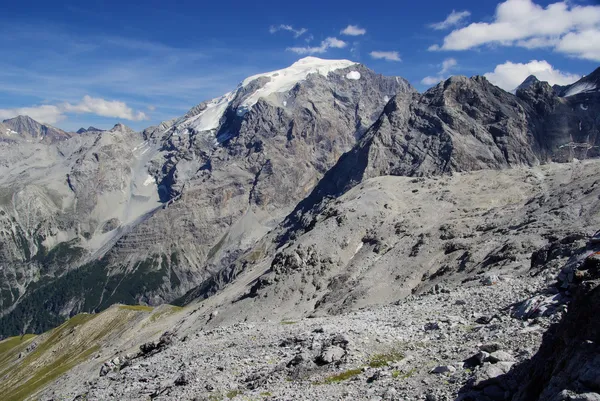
359,247
285,79
355,75
209,118
583,107
149,180
386,98
580,88
284,103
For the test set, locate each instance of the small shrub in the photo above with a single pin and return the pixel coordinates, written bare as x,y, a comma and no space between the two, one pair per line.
340,377
380,360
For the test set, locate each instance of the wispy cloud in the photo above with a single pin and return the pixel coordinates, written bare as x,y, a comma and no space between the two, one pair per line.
297,32
322,48
446,66
51,114
137,72
353,30
563,26
455,18
386,55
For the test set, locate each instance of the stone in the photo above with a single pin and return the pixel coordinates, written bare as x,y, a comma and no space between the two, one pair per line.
330,354
501,356
476,360
443,369
490,347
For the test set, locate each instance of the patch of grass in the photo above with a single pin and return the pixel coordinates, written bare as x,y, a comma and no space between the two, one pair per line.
165,312
266,394
285,322
408,374
139,308
12,342
233,393
46,363
340,377
380,360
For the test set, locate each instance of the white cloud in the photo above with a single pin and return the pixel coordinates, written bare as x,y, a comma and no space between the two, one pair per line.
454,19
297,32
585,44
563,26
51,114
447,65
353,30
322,48
45,113
151,107
104,108
510,75
386,55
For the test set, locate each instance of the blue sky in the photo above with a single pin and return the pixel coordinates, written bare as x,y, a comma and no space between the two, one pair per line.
74,63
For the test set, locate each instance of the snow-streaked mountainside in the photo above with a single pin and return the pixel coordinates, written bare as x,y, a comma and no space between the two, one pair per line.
24,128
587,84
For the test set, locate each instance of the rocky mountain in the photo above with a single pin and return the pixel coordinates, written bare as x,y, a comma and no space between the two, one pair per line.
152,214
530,80
325,232
28,129
89,129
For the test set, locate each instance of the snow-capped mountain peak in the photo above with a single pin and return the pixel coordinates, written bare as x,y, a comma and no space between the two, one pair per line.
278,81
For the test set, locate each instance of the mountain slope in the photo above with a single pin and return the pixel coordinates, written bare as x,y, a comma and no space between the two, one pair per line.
152,214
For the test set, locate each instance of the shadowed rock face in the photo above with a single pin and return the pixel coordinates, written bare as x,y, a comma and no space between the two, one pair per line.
567,366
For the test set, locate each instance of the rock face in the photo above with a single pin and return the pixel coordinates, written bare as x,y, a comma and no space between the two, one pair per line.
152,214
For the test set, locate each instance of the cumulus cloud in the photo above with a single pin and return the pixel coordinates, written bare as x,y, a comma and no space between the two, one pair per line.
510,75
353,30
45,113
322,48
104,108
565,27
447,65
51,114
297,32
454,19
386,55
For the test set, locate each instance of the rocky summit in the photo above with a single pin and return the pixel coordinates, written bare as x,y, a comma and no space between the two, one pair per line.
319,232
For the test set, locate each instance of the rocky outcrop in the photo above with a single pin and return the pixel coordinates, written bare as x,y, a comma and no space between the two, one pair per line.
567,366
